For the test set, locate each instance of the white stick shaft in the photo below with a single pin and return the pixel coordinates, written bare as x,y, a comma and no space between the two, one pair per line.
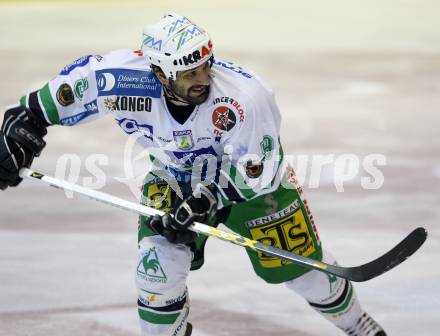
204,229
106,198
90,193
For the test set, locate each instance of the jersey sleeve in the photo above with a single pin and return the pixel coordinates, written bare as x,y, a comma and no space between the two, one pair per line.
70,98
253,152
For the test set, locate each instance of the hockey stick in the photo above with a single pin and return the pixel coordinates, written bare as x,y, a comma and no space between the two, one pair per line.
364,272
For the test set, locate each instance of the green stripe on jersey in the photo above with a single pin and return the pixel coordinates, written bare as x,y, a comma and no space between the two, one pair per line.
240,181
155,318
49,105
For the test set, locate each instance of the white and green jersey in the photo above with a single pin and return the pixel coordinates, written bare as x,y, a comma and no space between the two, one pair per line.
233,137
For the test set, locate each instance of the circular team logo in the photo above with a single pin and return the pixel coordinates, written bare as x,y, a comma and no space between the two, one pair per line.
65,95
223,118
254,170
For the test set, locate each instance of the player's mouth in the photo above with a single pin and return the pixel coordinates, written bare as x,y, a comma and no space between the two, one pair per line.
199,90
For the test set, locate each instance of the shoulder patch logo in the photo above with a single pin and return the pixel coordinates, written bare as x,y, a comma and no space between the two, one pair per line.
65,95
267,147
81,86
254,170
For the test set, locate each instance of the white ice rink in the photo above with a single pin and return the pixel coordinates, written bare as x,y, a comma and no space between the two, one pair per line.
351,77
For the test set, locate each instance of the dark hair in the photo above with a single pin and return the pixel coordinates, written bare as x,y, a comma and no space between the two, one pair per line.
155,69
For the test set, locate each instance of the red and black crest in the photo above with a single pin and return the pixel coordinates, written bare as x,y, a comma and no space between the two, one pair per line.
223,118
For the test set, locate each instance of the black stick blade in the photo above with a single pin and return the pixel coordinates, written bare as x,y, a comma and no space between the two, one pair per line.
386,262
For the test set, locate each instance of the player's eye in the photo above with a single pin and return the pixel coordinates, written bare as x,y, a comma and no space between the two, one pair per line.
190,74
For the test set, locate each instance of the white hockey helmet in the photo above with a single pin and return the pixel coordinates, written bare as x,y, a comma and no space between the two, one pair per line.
176,44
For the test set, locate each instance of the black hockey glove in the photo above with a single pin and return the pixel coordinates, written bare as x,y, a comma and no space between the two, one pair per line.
21,139
198,207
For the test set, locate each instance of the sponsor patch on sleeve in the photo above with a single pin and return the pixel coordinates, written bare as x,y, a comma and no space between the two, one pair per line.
91,109
124,82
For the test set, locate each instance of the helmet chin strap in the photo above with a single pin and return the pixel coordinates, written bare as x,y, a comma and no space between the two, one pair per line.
174,98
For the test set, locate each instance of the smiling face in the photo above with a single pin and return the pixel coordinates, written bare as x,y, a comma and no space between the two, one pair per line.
191,86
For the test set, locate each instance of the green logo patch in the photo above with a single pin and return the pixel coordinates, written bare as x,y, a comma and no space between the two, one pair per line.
267,146
150,269
81,86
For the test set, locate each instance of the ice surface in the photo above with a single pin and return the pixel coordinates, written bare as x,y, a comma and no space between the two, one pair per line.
348,79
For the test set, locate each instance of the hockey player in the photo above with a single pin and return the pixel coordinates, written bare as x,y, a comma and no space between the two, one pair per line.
212,129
